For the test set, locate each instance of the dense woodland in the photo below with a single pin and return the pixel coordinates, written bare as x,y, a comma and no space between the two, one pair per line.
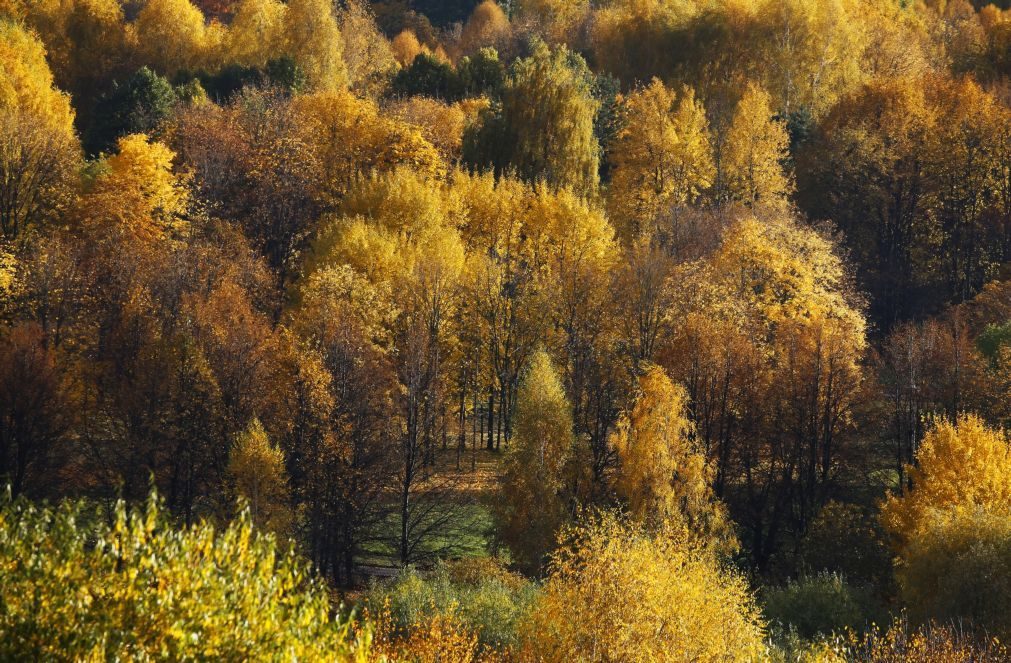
616,330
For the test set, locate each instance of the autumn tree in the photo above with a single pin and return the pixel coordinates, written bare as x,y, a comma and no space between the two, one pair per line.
644,293
663,475
949,525
344,442
583,612
397,232
960,463
555,21
931,368
406,47
502,308
917,155
348,138
366,52
441,124
767,324
39,152
487,26
138,193
751,163
544,128
809,53
662,160
256,468
313,39
150,571
532,505
582,258
629,38
252,168
257,32
172,35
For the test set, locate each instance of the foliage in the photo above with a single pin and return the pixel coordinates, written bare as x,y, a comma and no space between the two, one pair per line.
755,151
664,475
39,152
617,593
479,594
172,35
135,586
532,505
256,33
544,127
961,464
934,643
819,605
661,158
256,469
487,26
140,105
313,39
368,56
418,291
956,567
136,192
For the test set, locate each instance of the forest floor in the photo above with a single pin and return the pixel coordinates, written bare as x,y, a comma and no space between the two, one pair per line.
456,496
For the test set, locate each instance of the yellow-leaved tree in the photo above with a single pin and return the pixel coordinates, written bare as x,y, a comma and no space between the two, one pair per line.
256,33
663,476
619,593
258,476
314,41
662,158
131,584
406,47
172,35
487,26
136,191
367,54
950,527
531,506
39,151
964,464
348,138
753,153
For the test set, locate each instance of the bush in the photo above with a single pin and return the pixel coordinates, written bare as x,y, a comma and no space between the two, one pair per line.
479,594
140,589
617,593
819,605
957,567
932,643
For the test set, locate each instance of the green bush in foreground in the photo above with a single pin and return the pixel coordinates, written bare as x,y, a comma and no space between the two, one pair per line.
819,605
479,593
140,589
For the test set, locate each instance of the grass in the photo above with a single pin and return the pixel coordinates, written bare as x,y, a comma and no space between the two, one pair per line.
461,522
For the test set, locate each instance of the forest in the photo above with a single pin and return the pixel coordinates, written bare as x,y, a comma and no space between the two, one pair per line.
517,330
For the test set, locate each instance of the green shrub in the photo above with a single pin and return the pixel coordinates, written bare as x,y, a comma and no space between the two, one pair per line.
819,605
956,568
141,589
478,592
